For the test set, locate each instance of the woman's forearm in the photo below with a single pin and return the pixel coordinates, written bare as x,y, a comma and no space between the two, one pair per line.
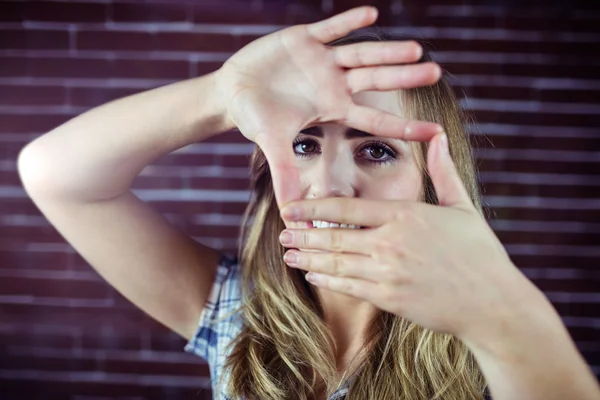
532,356
96,155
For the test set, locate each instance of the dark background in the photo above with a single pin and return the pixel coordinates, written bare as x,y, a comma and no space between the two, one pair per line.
530,72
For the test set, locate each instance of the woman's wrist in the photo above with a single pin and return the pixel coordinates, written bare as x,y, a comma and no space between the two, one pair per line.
211,109
523,312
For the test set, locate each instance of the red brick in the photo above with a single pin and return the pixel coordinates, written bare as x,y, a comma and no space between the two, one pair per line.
33,39
213,231
142,367
116,341
26,234
69,67
231,12
522,70
219,183
185,208
550,238
271,13
25,337
554,261
530,142
534,166
12,11
52,11
18,206
541,214
150,12
14,66
95,96
572,191
167,341
587,283
23,123
93,68
233,136
232,208
188,159
23,259
56,288
68,362
573,309
32,95
538,118
203,68
590,95
115,40
183,41
9,178
495,92
87,319
151,69
112,389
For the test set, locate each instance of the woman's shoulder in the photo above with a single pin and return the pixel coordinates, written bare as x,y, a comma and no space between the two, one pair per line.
220,320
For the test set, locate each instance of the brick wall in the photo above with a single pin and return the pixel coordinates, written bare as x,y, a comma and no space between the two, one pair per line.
529,73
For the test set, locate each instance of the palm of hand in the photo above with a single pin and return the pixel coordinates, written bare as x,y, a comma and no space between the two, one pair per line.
296,83
289,80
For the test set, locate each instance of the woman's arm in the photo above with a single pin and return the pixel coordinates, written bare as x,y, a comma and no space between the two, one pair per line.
79,176
525,352
96,156
443,268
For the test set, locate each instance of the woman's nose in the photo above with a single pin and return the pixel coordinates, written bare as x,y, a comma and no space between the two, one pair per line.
333,179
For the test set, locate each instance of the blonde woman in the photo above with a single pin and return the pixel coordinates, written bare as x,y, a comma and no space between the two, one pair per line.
410,295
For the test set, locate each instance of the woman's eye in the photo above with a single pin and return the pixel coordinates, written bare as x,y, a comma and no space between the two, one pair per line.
306,147
376,152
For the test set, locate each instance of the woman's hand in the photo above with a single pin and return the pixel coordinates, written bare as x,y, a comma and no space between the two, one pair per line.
289,80
439,266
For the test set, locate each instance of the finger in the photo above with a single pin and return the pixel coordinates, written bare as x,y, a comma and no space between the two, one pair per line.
340,240
448,186
393,77
340,25
382,123
336,264
350,286
367,54
284,173
344,210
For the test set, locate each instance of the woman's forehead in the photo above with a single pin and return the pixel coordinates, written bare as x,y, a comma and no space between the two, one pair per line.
388,101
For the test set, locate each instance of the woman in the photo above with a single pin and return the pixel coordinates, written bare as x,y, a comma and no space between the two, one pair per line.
403,308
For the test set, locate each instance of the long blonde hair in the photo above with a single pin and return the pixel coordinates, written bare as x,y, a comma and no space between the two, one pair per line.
285,350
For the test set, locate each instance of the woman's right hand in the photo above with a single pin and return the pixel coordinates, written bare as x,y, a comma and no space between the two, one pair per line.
289,80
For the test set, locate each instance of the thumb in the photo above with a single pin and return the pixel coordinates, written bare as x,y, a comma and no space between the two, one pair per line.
284,172
448,186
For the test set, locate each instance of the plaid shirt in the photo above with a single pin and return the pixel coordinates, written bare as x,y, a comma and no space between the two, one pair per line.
210,340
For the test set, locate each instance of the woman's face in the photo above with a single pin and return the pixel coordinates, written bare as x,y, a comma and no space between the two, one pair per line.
335,161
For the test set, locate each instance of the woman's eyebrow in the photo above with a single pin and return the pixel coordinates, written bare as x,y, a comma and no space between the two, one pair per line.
351,133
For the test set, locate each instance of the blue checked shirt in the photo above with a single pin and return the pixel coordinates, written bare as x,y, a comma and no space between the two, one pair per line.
210,340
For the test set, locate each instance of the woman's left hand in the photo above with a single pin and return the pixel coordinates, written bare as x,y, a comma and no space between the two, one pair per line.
440,266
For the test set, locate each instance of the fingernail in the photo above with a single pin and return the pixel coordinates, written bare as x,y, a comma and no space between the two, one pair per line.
290,213
290,258
312,277
444,143
286,237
